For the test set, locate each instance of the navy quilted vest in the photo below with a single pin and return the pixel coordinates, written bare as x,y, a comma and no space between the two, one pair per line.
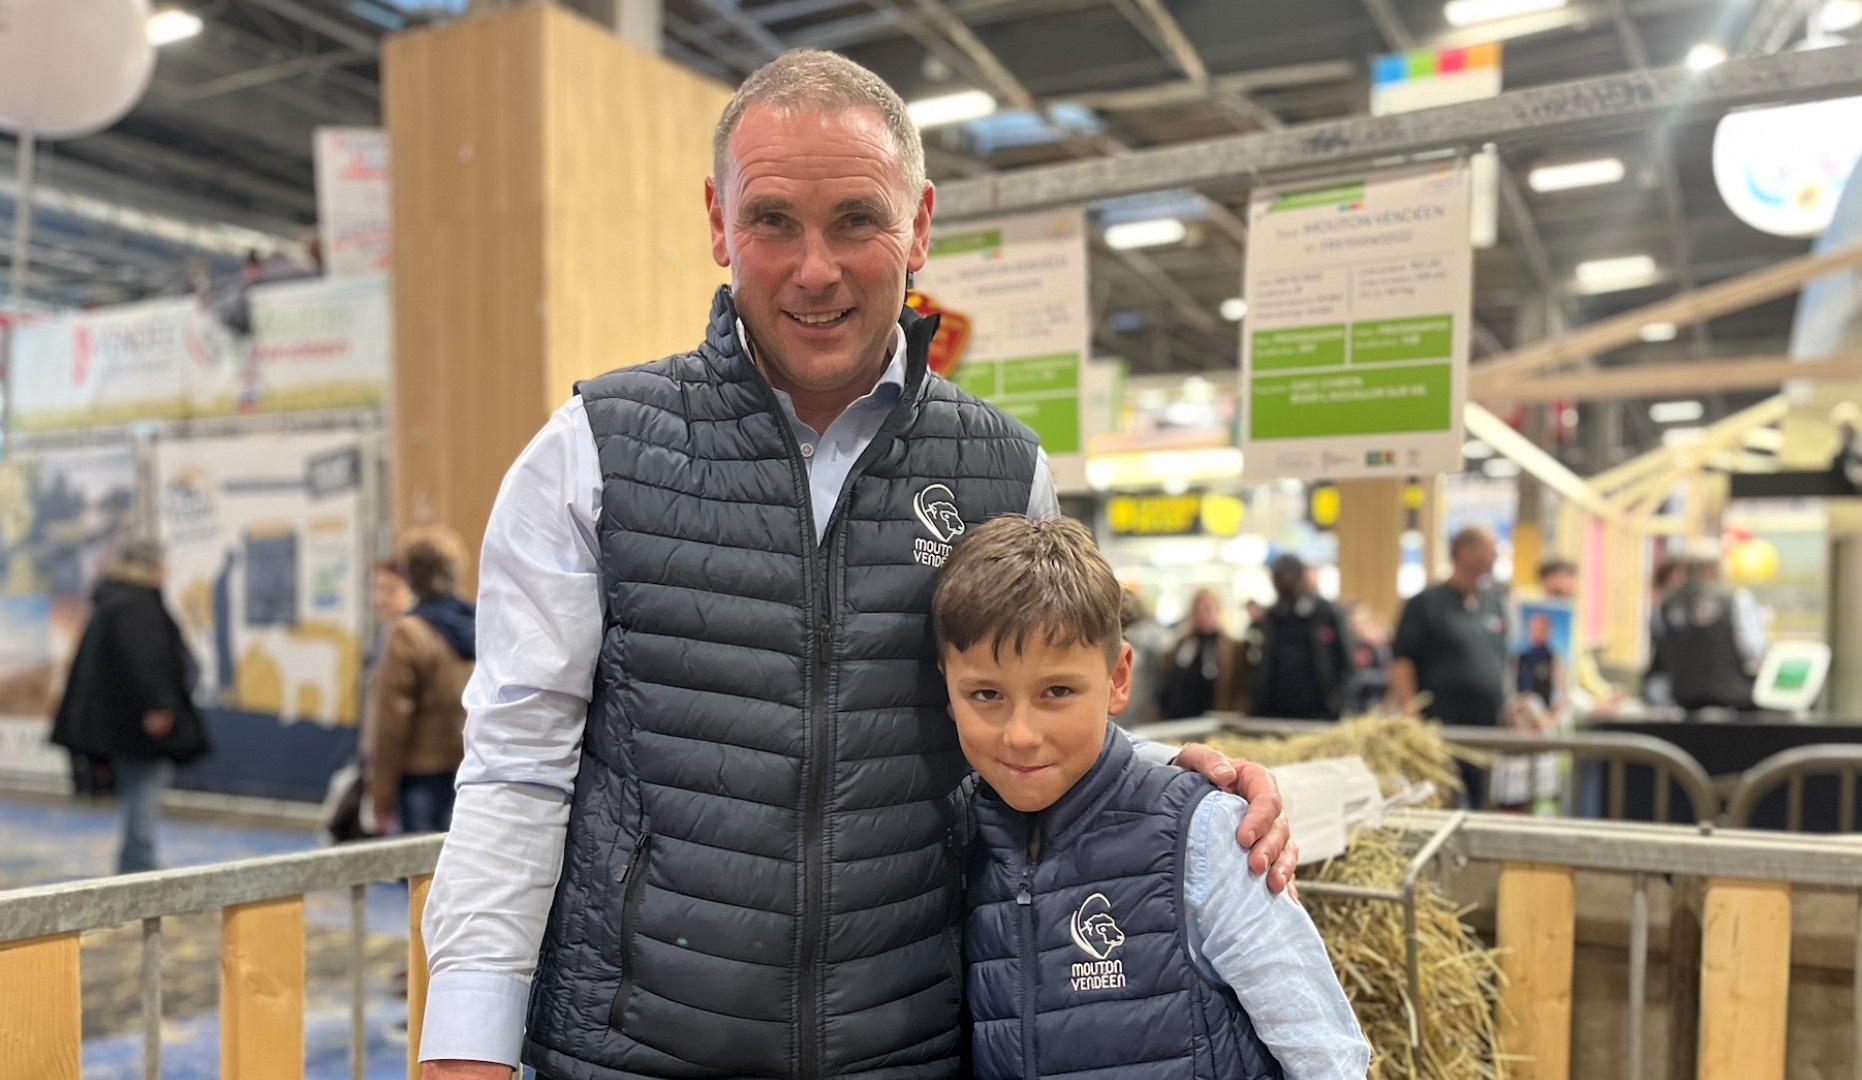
1077,959
756,881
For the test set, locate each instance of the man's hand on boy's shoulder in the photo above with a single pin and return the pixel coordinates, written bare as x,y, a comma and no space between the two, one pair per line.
1264,832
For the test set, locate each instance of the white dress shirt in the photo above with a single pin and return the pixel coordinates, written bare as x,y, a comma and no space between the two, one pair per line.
539,632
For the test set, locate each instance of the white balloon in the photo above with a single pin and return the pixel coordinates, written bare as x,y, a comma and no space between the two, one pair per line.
72,67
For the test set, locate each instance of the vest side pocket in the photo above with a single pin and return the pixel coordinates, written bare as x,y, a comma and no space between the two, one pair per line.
633,891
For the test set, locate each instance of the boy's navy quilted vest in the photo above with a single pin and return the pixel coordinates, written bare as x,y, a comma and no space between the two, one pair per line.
757,881
1078,962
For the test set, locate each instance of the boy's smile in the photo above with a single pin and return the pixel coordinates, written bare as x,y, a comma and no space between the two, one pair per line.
1032,723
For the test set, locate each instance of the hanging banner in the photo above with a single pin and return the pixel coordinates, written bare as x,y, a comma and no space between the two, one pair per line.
1019,284
352,200
64,514
321,344
1354,353
120,365
265,569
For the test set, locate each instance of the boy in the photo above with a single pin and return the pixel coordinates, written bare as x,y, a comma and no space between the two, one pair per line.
1112,923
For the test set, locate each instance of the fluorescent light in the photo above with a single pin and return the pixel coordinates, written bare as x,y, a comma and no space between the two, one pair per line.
1500,468
1470,12
1660,331
1143,234
1705,55
1235,309
1676,412
1838,16
171,25
1577,174
1609,275
1684,436
951,108
1476,450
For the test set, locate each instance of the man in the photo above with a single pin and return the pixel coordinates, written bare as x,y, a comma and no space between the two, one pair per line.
706,690
1306,651
1711,640
1559,579
129,697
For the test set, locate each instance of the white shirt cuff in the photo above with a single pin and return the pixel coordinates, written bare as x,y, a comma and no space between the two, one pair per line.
475,1016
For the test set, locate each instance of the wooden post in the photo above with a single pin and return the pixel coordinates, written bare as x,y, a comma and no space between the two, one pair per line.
41,1008
262,990
1745,980
1371,517
1536,929
417,890
549,225
1687,898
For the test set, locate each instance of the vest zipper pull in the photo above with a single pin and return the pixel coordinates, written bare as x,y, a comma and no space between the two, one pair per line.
1024,892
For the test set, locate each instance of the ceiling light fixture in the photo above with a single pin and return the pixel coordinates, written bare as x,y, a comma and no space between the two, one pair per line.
170,25
951,108
1839,16
1677,412
1657,332
1235,309
1472,12
1143,234
1611,275
1476,450
1576,174
1684,436
1705,55
1500,469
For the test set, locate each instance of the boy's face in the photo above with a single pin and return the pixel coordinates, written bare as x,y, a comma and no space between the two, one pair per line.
1032,723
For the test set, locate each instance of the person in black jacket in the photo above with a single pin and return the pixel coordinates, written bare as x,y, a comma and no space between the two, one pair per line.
129,696
1306,652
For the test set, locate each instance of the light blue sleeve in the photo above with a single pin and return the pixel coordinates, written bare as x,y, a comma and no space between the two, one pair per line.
1043,500
1267,950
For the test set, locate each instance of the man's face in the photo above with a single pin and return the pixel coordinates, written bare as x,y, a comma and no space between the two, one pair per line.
816,224
1477,559
1541,630
1560,585
1032,723
392,597
1205,614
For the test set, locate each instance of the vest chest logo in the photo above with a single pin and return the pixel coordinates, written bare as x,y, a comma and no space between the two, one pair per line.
936,510
1098,936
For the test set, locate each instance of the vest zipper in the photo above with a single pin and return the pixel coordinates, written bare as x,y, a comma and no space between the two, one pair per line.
1030,958
634,891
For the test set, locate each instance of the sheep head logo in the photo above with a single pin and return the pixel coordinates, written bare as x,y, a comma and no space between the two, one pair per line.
1094,930
936,507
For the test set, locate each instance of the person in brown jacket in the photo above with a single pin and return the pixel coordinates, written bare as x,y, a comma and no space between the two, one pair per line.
416,740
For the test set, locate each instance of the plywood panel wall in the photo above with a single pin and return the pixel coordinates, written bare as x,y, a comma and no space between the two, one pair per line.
549,225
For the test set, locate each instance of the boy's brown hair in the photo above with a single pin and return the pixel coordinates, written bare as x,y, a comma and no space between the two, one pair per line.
1014,578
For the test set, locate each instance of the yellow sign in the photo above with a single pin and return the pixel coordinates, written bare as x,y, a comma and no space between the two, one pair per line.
1154,515
1324,506
1223,515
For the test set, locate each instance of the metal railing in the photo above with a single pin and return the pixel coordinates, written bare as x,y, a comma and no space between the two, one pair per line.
39,928
1673,768
1792,768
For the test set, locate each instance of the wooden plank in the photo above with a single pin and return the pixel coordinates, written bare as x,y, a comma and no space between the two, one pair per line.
1493,378
262,990
417,977
1687,897
1684,379
1371,516
1745,979
1536,927
41,1008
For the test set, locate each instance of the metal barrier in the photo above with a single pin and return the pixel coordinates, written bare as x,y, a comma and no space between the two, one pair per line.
1744,944
1792,767
1673,768
261,902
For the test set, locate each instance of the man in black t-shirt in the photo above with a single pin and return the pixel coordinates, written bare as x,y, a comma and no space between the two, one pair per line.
1451,642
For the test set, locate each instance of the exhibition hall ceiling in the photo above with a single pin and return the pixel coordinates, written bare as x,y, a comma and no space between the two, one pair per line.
224,137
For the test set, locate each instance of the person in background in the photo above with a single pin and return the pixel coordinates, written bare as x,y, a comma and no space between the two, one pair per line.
1538,671
1306,651
1370,659
1670,574
345,818
130,696
1711,641
1149,642
1451,644
416,740
1204,671
1559,579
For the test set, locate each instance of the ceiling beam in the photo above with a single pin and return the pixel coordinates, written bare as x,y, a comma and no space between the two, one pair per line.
1772,26
1497,377
1612,103
270,73
1684,379
310,18
746,26
1156,22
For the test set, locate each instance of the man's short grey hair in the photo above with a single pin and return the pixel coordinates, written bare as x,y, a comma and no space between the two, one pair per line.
142,555
813,79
